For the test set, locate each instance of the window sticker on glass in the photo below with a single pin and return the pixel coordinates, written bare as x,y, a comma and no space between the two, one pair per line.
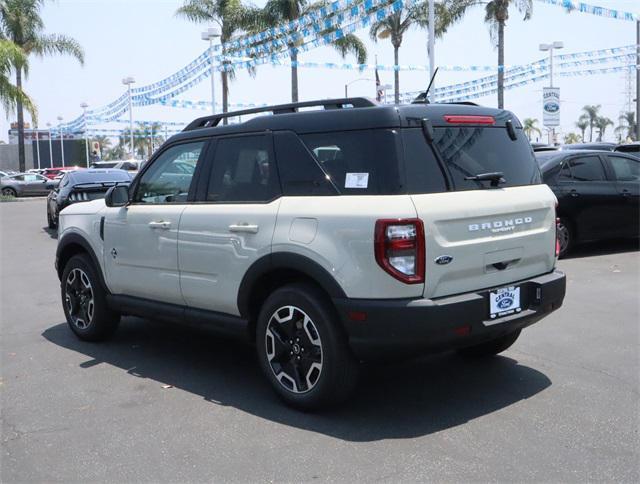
357,180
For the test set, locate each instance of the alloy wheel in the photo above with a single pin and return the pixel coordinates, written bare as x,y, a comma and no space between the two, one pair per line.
79,298
563,237
294,349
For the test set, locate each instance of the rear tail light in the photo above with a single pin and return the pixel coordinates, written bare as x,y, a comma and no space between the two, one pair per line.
400,250
78,196
469,119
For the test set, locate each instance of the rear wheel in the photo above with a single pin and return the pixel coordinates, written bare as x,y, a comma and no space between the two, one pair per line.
84,301
302,349
565,236
51,222
9,192
491,348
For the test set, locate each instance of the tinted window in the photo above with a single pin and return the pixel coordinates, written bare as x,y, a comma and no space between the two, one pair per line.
160,183
363,162
470,151
243,171
586,168
625,169
423,172
300,174
565,172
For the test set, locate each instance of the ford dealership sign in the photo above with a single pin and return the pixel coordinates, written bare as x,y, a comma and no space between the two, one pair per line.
551,107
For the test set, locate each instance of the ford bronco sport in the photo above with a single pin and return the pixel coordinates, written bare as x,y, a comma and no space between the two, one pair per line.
326,237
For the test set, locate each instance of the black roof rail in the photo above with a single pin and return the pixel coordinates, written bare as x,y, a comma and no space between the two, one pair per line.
213,120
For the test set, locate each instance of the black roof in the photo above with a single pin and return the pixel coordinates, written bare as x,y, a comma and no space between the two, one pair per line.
337,115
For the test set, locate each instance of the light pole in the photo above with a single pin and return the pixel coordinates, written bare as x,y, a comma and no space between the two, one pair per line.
346,86
127,81
61,140
638,81
432,38
50,147
84,107
211,34
550,48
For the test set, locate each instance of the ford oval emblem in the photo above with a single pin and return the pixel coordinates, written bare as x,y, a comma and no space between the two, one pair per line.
443,260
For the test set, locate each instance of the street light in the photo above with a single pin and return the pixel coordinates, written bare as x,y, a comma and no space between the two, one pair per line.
346,86
61,141
127,81
84,107
551,48
211,34
50,147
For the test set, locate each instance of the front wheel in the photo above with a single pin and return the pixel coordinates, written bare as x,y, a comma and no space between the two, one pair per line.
9,192
491,348
84,301
303,350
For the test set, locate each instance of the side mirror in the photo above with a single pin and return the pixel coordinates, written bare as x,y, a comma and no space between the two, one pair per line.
117,196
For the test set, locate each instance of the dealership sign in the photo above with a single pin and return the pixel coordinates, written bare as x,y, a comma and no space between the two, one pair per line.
551,107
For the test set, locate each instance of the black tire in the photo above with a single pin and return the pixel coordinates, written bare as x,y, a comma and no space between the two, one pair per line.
491,348
9,192
84,301
51,222
566,235
322,342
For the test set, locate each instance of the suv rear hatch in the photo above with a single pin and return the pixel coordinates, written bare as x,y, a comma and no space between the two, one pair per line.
487,231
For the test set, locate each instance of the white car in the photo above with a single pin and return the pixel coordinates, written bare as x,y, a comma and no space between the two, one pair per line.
428,228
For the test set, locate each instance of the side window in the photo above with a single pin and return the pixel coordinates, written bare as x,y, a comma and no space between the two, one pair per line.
625,169
565,172
161,183
243,171
587,168
300,173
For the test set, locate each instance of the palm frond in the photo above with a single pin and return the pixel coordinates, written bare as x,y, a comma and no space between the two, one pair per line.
44,45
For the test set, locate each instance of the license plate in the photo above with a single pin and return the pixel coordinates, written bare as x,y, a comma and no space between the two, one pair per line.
504,301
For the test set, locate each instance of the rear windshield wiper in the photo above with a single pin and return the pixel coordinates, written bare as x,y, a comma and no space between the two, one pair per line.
495,177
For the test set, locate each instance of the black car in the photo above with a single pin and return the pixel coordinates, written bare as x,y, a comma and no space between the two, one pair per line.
598,194
596,145
81,186
629,148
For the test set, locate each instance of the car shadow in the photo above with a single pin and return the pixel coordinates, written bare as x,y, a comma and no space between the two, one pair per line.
400,400
605,247
53,233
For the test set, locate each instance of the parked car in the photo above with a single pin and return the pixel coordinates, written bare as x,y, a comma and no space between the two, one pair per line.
25,184
428,228
80,186
599,146
130,166
7,173
543,147
629,148
597,194
57,172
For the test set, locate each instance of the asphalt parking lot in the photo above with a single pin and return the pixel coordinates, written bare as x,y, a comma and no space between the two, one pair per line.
161,403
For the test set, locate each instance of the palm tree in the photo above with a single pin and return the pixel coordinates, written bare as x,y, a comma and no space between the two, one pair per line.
627,127
496,15
276,12
20,22
11,55
530,127
231,16
396,26
591,113
582,125
572,138
602,123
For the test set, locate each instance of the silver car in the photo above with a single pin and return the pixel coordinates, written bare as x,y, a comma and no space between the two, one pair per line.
25,184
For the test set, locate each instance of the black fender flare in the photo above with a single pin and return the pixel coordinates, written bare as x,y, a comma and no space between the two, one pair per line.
74,239
285,260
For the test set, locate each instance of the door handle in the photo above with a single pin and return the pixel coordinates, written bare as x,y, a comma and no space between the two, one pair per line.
246,228
574,193
626,193
160,224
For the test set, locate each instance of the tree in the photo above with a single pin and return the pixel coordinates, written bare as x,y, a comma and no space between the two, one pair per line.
277,12
231,16
627,127
530,128
572,138
496,15
602,123
396,26
582,125
11,55
20,22
591,114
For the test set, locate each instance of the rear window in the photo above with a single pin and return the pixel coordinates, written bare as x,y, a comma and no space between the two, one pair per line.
361,162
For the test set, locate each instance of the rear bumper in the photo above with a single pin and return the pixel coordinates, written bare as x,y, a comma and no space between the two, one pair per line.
403,327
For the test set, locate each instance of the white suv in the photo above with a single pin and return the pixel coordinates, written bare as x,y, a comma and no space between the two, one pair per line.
325,237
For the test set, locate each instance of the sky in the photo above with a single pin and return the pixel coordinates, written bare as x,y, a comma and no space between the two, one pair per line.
144,39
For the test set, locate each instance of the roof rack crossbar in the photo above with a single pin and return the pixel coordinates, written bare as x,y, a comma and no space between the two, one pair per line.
213,120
